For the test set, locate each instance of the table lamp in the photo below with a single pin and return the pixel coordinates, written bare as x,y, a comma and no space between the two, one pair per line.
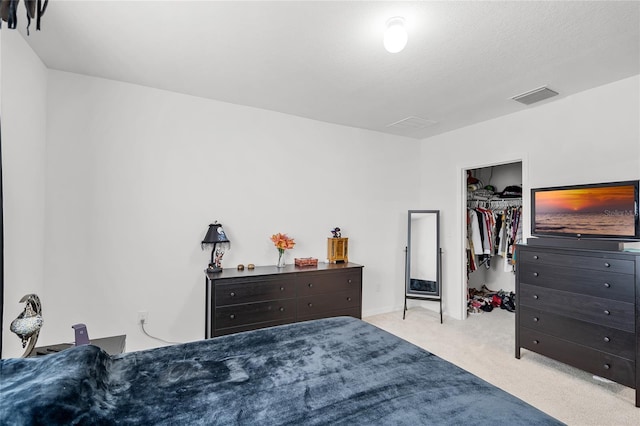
217,240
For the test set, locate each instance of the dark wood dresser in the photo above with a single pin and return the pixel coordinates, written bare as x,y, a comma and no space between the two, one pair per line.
581,307
267,296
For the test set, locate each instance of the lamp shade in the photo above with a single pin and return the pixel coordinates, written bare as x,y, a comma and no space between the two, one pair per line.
215,234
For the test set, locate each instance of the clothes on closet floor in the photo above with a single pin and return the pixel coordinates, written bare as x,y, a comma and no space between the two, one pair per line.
485,300
492,232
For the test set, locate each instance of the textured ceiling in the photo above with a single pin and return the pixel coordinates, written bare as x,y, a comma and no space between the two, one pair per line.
325,60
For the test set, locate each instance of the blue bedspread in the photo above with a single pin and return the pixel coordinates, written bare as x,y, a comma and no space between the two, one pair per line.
338,371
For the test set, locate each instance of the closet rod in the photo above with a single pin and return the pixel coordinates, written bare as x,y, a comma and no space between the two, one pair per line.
494,204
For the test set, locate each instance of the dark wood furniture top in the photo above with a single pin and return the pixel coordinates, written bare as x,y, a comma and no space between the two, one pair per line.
267,296
582,308
112,345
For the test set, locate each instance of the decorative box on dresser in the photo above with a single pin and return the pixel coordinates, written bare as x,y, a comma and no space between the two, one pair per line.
267,296
581,307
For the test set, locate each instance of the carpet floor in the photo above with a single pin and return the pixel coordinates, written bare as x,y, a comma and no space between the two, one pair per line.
484,344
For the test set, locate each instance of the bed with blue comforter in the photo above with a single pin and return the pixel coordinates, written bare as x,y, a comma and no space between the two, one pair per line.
337,371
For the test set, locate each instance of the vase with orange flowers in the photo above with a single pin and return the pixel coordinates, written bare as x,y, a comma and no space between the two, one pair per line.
282,243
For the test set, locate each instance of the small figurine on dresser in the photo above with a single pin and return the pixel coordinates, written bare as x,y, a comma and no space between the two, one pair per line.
336,232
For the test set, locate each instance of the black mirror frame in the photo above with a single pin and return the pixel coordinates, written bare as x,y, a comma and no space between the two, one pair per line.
423,294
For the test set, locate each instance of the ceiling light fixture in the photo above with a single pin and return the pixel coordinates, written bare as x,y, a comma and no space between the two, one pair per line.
395,36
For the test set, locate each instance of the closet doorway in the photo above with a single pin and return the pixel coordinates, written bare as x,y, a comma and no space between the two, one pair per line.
493,225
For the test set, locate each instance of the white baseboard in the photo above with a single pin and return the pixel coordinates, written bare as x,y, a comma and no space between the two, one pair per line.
384,310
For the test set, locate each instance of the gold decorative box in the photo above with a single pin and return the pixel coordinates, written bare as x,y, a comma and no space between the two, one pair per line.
337,250
306,261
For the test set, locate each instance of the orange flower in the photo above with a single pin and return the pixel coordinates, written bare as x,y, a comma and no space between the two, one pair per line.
282,242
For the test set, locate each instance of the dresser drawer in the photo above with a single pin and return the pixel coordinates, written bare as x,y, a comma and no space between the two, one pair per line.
249,327
238,291
596,362
252,313
576,261
355,312
585,281
605,339
311,284
320,303
607,312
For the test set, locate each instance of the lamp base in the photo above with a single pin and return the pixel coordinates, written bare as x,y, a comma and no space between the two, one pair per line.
213,269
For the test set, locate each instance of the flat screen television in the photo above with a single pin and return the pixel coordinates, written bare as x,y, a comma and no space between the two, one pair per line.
605,211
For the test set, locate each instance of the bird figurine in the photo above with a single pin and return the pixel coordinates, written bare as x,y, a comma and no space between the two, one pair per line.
28,324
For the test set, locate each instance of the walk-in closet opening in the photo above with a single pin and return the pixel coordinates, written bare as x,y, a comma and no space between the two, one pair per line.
494,227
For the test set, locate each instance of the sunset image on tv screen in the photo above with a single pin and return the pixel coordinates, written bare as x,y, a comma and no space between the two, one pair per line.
586,211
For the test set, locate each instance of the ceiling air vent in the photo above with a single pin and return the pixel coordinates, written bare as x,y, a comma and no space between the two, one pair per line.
535,95
412,122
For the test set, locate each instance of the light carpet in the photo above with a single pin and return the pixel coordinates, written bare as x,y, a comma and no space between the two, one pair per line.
484,344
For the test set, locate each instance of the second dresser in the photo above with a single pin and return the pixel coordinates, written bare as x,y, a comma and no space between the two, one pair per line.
579,307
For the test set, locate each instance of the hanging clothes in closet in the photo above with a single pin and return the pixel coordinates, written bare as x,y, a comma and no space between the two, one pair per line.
493,229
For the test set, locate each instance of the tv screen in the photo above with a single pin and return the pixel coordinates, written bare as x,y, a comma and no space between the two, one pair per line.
595,211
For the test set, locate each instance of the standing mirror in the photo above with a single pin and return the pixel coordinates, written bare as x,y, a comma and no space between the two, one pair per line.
423,258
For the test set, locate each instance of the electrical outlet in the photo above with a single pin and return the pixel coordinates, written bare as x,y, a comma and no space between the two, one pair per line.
143,317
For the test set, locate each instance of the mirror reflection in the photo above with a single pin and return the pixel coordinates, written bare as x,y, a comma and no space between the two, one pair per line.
423,263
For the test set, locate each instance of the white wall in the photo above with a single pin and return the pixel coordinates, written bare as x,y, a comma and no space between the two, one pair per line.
135,175
592,136
133,178
24,120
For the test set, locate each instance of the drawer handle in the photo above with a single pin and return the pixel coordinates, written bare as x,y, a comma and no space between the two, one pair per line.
535,342
310,305
232,294
281,309
606,339
607,366
281,288
607,312
348,299
535,274
536,257
310,285
607,285
535,296
349,281
232,316
607,265
536,319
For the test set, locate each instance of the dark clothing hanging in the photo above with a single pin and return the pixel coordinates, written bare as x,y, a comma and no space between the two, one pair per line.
492,232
